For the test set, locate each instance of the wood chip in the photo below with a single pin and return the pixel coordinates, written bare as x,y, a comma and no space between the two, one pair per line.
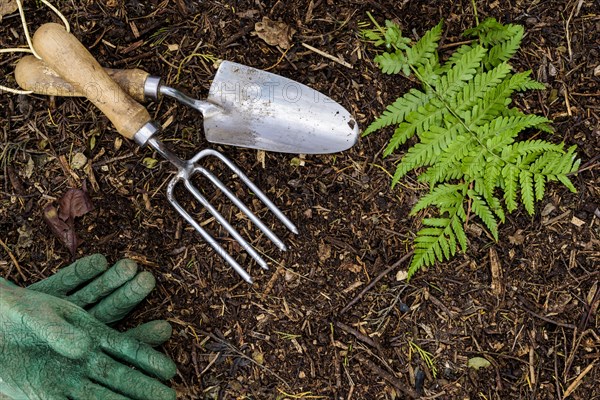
548,208
324,251
497,285
401,275
577,222
353,287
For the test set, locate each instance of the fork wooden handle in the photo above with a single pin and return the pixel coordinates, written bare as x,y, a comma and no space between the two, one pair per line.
70,59
35,75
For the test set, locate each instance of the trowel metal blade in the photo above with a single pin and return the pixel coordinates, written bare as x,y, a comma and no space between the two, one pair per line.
261,110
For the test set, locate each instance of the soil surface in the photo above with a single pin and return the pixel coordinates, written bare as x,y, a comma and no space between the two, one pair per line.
307,328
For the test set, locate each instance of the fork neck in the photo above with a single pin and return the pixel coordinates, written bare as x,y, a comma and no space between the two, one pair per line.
164,151
146,137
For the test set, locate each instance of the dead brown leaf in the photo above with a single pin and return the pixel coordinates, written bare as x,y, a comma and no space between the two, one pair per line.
63,231
74,203
517,238
274,33
7,7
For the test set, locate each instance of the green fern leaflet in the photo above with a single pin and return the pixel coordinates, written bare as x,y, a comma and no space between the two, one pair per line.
464,139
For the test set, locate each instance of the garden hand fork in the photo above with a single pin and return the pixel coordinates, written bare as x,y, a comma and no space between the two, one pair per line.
70,59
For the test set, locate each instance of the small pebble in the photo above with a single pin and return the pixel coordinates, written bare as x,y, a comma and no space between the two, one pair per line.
404,308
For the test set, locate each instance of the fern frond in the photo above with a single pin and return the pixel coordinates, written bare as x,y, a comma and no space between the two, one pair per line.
437,241
553,166
484,212
447,195
496,206
421,56
511,153
540,186
490,28
393,36
459,231
567,182
491,174
467,137
471,165
427,244
427,115
527,191
397,111
429,70
497,133
480,85
505,48
503,41
454,57
510,175
555,163
446,89
376,37
425,48
507,32
393,63
529,83
486,184
542,126
425,152
570,162
440,236
502,130
495,101
448,165
463,70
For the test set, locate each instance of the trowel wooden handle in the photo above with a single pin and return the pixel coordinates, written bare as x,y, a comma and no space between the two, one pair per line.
35,75
66,55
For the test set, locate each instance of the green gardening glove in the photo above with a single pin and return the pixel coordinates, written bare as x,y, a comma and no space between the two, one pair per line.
52,349
108,294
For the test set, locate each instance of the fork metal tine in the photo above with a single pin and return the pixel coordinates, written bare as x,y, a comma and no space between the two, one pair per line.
223,221
217,182
186,169
205,235
210,152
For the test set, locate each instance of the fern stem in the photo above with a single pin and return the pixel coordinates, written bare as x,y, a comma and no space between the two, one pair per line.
475,12
375,23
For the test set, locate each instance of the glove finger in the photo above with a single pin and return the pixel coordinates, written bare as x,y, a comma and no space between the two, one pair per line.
124,299
132,383
60,335
138,354
119,274
73,276
153,333
91,391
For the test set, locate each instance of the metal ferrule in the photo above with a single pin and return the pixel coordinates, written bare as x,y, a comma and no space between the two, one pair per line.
152,87
145,133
